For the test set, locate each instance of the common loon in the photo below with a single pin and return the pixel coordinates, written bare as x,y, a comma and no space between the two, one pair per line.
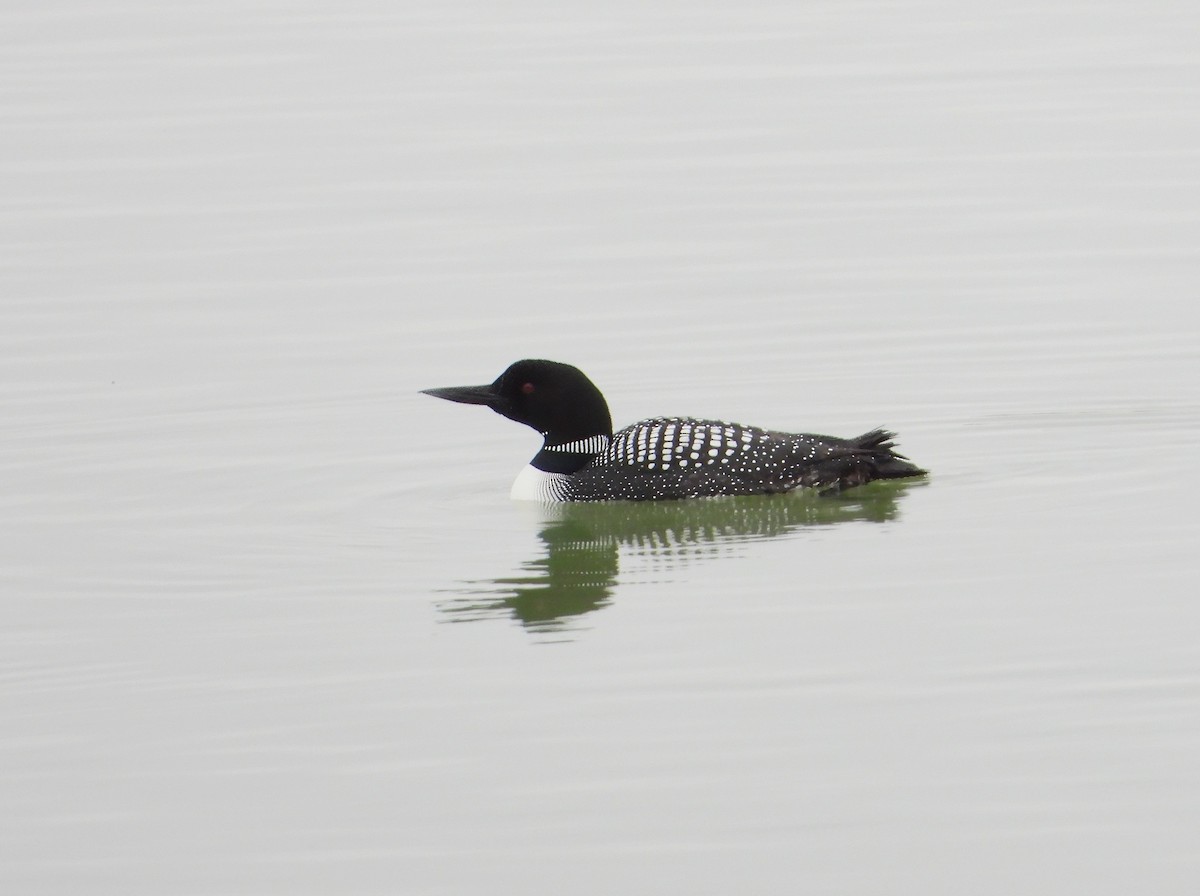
663,458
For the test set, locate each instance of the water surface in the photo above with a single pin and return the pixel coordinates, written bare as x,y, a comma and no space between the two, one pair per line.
269,620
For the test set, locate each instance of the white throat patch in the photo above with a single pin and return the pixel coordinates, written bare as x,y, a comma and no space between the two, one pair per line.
533,484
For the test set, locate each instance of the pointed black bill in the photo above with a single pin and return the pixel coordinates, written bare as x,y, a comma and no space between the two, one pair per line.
467,394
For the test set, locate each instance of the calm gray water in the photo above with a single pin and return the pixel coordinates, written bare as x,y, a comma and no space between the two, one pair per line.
268,620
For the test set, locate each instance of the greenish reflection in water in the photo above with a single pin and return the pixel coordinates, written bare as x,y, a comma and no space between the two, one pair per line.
583,543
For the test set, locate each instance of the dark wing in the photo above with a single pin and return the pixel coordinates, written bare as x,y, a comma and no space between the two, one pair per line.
672,457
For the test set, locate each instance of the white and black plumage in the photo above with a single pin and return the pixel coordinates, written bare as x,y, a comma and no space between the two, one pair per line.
663,458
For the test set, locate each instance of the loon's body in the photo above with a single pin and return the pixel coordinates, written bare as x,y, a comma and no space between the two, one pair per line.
663,458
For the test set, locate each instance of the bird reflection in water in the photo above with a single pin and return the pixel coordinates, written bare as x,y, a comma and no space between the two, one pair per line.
579,567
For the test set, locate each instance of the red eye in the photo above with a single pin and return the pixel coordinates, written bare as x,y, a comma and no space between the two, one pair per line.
527,388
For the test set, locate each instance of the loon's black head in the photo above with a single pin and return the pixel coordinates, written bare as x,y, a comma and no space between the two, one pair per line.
555,399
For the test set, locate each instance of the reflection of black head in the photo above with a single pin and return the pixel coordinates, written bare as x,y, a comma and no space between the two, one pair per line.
575,577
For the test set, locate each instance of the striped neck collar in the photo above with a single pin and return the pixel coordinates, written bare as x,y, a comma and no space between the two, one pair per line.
590,445
570,457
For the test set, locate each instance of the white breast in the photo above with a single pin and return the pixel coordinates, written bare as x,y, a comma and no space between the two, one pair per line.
533,484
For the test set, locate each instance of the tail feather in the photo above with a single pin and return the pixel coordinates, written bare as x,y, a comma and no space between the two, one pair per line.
871,456
889,464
